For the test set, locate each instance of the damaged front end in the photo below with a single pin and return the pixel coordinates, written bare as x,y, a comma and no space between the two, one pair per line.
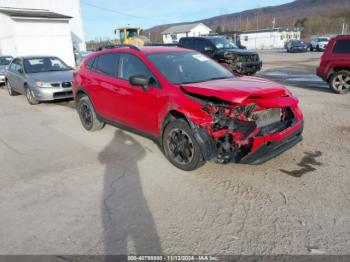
246,64
251,132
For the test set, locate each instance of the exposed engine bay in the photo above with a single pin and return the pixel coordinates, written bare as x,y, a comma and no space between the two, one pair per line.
233,127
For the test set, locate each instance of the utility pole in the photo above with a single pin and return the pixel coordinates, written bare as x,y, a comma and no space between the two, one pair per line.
257,16
240,21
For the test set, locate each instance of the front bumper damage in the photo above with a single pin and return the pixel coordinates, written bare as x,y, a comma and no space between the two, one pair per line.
271,149
247,67
242,64
249,133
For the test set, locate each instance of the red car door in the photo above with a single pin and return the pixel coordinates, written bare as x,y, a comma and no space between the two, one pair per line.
103,84
138,108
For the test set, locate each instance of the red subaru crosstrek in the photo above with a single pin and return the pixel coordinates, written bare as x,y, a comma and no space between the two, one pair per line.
335,64
192,106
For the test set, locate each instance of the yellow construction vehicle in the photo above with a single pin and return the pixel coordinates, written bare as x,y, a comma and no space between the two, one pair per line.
130,36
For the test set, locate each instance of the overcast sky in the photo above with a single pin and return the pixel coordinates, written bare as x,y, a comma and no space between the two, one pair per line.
101,17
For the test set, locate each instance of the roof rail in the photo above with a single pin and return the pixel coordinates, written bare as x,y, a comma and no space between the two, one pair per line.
118,46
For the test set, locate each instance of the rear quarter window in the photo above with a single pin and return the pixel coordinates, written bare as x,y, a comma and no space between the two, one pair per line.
342,47
90,63
107,64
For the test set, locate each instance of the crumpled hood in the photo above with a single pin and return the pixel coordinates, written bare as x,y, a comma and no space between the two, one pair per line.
52,77
237,89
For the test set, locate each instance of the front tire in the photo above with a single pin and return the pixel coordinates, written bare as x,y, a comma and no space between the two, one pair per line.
88,115
30,97
180,146
340,82
10,89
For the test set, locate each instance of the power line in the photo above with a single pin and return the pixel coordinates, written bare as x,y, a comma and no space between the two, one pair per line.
115,11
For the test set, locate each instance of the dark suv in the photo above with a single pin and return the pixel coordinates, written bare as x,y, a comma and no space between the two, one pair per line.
335,64
225,52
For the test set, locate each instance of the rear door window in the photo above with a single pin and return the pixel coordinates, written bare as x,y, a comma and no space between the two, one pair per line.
90,63
342,47
131,65
16,66
187,42
107,64
201,44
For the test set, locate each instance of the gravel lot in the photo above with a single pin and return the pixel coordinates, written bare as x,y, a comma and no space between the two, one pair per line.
67,191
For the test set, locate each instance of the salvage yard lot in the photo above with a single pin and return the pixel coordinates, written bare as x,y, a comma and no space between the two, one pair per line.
67,191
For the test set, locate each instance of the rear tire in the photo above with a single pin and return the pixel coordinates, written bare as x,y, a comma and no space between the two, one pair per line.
180,146
30,97
88,115
340,82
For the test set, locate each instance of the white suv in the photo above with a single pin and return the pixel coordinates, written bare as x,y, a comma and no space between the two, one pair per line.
319,43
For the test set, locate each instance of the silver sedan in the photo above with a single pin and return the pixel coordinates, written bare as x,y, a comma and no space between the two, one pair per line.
4,62
39,78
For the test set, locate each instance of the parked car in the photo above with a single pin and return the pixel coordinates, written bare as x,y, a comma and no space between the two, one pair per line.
4,62
79,57
225,52
335,64
293,46
319,43
40,78
193,107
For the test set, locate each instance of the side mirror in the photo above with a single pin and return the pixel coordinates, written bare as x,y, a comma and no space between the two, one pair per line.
20,71
139,81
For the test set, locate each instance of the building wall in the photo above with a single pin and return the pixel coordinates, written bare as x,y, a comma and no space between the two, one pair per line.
267,40
44,37
27,37
196,31
7,44
66,7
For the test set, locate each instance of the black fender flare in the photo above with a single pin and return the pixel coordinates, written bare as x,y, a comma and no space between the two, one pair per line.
204,140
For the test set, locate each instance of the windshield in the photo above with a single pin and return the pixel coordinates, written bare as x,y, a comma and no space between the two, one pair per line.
222,43
322,40
297,42
44,64
5,60
188,67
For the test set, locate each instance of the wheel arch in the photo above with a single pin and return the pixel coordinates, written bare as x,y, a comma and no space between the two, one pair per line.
171,116
337,69
81,91
204,140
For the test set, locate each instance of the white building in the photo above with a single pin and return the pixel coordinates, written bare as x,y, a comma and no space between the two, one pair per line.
268,38
173,34
66,7
28,32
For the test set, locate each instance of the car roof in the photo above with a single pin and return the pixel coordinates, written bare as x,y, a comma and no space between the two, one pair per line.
161,49
145,50
342,37
35,57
